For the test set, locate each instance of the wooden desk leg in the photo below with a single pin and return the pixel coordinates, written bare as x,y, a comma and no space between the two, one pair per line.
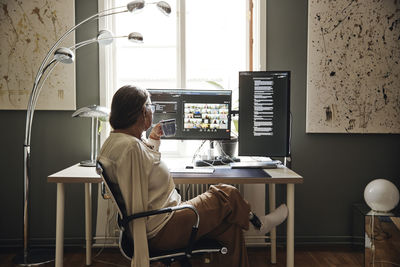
88,222
272,206
290,226
60,225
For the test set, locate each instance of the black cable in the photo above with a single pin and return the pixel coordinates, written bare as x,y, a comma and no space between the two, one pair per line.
189,186
290,132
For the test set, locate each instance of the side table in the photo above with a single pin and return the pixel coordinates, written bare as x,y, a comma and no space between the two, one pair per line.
381,235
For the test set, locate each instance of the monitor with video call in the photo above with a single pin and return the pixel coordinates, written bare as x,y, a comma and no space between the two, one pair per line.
199,114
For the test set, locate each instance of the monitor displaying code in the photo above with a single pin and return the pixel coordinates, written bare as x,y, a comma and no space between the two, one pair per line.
264,113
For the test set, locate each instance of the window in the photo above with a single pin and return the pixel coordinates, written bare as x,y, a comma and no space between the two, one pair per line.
203,44
151,64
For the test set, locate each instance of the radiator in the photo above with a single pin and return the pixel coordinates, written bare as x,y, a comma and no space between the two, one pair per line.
189,191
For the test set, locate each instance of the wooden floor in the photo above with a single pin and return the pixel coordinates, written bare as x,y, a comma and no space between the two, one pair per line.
325,256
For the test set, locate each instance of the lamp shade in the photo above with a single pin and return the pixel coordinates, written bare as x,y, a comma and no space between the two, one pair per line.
93,111
104,37
381,195
64,55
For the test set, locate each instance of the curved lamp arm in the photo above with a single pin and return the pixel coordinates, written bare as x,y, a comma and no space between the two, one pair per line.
108,39
131,7
137,38
103,38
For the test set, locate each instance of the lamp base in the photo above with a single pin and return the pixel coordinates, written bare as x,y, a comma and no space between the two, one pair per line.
380,213
34,257
88,163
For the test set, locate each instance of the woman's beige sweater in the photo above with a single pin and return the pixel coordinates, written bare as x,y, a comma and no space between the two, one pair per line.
145,184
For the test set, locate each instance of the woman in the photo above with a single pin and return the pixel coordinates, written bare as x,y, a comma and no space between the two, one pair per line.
146,184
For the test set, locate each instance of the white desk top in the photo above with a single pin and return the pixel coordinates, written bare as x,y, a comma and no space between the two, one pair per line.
79,174
75,174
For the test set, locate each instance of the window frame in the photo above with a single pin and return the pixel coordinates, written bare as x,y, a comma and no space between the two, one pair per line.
257,9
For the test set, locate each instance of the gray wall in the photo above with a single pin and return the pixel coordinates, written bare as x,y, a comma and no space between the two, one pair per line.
58,141
336,167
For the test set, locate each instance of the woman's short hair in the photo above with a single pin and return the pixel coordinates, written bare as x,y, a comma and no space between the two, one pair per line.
126,106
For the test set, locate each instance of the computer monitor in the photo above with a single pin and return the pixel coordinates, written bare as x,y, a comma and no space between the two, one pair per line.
264,113
199,114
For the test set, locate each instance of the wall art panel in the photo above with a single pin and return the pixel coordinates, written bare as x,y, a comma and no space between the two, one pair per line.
28,29
353,75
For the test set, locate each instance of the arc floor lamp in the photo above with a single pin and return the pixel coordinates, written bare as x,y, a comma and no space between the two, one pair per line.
64,55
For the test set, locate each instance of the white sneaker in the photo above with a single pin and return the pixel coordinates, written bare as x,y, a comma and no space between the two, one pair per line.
273,219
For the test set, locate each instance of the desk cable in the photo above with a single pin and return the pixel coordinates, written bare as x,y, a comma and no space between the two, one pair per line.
290,133
198,150
373,238
107,234
230,159
106,229
225,155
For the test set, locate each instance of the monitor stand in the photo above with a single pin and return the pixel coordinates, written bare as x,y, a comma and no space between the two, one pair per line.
215,160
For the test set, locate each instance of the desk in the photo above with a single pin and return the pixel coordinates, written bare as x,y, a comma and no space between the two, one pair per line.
88,175
74,174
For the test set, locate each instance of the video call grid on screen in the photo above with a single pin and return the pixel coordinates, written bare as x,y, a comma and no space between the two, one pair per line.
199,114
264,113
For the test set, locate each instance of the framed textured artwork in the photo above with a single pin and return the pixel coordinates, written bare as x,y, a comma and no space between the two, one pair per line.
28,29
353,68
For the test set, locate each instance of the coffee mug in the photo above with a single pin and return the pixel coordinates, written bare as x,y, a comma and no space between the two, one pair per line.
168,127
